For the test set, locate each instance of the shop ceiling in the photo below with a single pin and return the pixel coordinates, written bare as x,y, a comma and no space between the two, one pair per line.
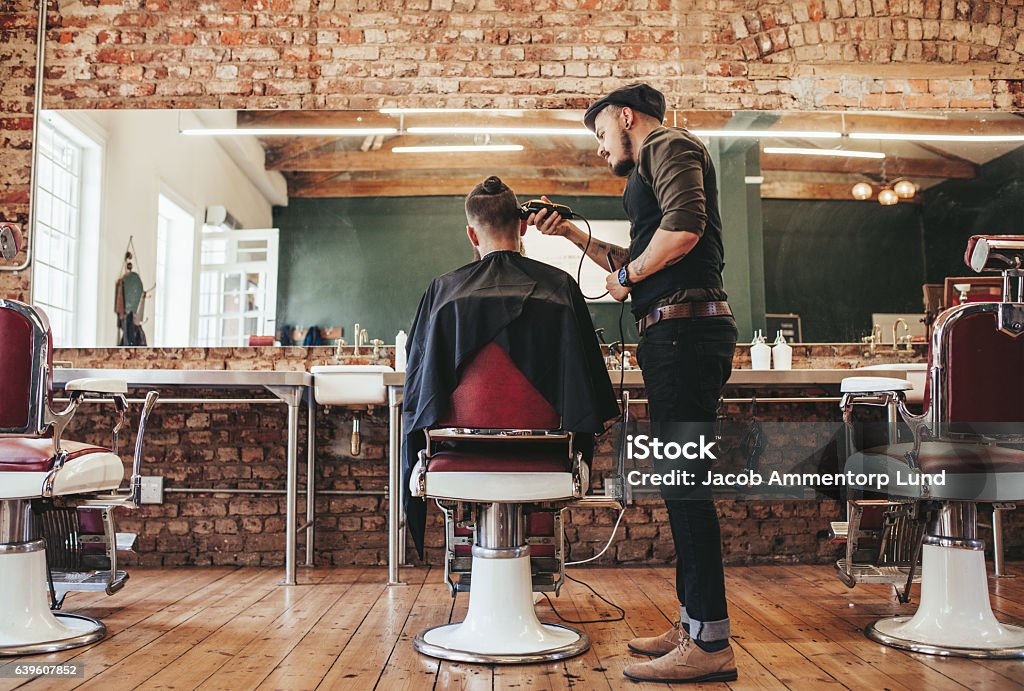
560,164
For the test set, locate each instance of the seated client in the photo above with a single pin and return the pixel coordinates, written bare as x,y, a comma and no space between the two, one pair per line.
533,311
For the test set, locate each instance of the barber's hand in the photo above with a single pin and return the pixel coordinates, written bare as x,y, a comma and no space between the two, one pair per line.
616,289
549,222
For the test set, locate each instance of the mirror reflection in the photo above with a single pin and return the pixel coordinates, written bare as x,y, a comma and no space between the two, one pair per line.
210,228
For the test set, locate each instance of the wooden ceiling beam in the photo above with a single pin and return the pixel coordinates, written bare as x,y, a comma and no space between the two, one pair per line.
792,189
894,167
384,160
524,187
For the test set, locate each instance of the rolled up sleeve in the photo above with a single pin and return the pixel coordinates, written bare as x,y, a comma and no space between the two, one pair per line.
676,174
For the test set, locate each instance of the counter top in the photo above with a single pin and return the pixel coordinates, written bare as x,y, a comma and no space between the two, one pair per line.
188,377
740,377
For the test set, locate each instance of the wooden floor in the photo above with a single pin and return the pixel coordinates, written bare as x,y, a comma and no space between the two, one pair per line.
794,627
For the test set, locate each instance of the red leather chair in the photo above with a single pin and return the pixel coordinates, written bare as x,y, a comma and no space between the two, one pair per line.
52,491
499,455
966,450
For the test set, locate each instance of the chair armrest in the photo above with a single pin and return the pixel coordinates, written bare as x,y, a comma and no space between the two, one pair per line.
874,385
97,385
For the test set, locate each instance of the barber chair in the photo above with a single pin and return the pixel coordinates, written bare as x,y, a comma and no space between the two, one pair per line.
57,497
500,468
966,450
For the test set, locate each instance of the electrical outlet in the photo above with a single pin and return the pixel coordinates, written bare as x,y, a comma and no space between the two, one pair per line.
152,489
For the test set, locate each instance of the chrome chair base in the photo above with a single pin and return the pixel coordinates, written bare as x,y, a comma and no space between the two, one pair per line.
430,642
82,630
882,631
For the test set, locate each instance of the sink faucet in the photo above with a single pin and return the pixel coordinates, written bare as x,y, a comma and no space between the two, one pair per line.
338,346
906,329
359,337
872,340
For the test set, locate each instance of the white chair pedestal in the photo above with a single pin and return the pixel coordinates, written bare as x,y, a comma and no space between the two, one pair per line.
954,618
501,626
27,626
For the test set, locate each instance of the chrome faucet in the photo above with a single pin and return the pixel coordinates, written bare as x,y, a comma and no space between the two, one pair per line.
872,340
906,330
359,337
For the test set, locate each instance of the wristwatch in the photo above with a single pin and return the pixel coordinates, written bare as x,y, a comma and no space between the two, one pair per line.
624,278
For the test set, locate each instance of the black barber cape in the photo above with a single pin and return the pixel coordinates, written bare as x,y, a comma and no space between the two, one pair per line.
538,315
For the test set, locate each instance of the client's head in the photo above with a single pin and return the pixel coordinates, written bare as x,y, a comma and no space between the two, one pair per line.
492,214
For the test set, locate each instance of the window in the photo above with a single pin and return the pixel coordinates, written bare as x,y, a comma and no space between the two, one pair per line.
175,243
66,229
237,286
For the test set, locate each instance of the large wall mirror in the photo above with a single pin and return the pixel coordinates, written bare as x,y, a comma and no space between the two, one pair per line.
236,224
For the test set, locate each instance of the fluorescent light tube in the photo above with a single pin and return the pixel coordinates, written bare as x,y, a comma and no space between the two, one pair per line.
402,111
768,134
291,132
822,152
558,131
917,137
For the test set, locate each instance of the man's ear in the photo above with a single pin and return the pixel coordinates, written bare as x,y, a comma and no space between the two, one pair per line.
473,239
522,227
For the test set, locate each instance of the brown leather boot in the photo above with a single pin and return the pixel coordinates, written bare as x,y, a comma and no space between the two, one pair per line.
686,663
660,644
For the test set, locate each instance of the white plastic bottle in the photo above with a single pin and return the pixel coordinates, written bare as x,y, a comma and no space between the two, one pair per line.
760,353
782,353
400,351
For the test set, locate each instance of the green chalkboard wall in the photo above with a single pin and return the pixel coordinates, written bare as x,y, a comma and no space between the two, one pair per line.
836,262
370,259
991,203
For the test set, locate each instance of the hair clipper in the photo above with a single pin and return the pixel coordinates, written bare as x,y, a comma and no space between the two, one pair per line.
534,205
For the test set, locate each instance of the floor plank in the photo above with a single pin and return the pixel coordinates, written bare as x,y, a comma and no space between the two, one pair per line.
794,627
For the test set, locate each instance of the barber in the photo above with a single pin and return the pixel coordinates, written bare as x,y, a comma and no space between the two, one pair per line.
672,271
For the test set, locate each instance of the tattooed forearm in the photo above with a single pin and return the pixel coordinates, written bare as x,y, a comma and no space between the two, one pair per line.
676,260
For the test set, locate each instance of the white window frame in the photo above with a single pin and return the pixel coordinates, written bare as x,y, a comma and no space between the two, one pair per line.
267,316
163,296
74,317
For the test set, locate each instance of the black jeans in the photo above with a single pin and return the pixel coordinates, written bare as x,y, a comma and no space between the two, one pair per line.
685,364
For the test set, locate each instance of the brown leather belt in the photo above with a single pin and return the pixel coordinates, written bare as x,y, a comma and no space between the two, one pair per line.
684,309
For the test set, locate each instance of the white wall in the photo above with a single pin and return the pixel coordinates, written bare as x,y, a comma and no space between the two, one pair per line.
145,152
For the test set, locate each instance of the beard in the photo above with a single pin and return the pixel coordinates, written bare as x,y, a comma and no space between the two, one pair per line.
625,166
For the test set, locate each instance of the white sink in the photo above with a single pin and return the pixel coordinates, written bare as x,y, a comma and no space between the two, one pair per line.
917,373
350,384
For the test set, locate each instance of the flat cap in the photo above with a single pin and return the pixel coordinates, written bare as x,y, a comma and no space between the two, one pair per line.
642,97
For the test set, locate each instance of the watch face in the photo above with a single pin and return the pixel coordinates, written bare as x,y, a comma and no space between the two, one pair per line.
623,277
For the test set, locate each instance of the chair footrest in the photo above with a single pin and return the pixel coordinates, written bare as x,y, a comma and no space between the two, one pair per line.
125,542
542,583
840,531
870,573
87,581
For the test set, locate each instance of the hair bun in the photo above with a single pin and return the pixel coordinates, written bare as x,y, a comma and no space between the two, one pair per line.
494,185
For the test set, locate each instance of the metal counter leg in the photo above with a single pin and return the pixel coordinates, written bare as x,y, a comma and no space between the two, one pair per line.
394,486
310,478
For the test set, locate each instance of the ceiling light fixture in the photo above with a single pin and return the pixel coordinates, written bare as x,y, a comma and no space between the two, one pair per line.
456,149
556,131
290,132
794,151
919,137
767,134
886,197
862,191
904,188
